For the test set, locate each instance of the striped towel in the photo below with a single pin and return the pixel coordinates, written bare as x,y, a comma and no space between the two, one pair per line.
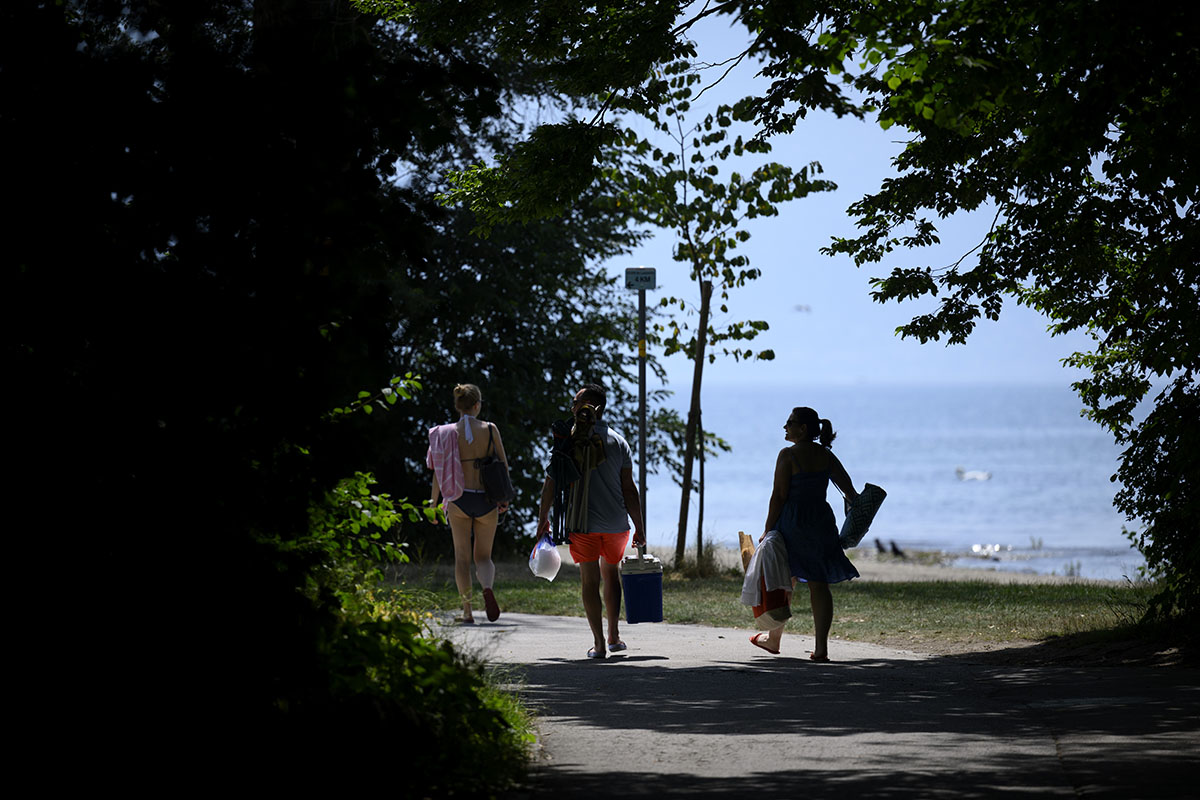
443,459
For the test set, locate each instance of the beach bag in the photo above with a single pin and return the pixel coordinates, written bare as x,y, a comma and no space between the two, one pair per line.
544,559
493,474
862,513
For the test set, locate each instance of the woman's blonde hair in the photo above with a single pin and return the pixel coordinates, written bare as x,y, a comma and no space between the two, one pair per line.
466,395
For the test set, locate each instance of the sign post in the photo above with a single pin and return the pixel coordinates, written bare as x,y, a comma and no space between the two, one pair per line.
641,279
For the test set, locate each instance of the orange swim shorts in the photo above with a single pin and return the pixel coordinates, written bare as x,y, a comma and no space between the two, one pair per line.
587,547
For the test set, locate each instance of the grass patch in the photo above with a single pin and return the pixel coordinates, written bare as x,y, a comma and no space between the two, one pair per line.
977,611
928,616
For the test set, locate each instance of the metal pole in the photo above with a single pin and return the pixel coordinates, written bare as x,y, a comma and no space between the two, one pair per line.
642,401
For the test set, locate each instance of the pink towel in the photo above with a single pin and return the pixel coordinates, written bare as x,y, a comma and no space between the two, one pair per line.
443,459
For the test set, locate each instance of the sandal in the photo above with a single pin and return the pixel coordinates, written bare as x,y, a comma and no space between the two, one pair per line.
754,640
490,605
593,654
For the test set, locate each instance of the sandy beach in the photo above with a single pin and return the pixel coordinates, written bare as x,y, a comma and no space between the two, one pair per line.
922,567
915,566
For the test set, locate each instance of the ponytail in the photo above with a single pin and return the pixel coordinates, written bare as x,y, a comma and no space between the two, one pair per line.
827,434
821,429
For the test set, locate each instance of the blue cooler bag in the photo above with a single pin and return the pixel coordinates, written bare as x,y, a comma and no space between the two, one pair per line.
641,579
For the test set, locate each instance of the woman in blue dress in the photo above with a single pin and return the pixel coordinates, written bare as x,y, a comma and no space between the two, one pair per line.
799,511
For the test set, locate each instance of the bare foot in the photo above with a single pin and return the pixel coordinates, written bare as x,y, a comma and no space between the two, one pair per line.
756,640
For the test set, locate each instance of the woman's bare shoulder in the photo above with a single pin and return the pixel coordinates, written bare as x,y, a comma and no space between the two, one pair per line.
812,457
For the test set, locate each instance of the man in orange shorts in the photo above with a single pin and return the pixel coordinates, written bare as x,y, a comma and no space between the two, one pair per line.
601,504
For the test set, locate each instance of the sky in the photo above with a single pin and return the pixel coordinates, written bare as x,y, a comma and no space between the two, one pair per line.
842,336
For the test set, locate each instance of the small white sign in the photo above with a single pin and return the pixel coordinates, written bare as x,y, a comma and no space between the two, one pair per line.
640,278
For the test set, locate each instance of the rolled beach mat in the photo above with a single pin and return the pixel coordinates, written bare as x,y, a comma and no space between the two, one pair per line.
862,513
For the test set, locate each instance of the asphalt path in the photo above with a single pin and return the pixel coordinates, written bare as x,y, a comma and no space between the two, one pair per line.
694,711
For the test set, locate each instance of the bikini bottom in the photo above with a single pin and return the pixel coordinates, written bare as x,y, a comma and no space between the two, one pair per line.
474,504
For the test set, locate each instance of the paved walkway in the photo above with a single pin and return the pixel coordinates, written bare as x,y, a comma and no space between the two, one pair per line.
691,711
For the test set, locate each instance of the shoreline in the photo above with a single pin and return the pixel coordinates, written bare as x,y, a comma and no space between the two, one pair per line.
918,566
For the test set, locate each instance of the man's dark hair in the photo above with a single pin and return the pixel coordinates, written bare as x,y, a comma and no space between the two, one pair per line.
594,394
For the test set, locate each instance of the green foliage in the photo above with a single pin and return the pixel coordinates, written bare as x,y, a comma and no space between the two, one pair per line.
674,183
1159,475
190,290
590,58
457,734
461,731
389,689
538,178
577,50
398,387
352,522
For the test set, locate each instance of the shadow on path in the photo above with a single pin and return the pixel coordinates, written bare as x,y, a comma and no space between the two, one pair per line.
873,727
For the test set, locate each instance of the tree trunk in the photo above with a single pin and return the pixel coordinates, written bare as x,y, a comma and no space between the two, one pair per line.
700,513
693,421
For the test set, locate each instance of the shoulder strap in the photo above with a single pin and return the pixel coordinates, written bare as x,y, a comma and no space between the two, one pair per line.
491,444
491,447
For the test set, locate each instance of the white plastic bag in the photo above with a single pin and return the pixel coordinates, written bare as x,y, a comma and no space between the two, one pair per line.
544,560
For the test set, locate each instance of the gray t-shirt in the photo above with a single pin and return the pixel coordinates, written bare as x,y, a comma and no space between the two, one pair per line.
606,503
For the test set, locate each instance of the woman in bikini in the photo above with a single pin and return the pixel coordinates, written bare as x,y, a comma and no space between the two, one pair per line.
799,511
454,450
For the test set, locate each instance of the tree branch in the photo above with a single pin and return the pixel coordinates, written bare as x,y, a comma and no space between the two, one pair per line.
603,108
736,60
982,242
706,11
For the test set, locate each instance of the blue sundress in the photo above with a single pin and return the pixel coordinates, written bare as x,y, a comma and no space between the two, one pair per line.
810,532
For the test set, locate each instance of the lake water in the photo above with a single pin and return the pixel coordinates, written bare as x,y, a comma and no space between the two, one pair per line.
1046,508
